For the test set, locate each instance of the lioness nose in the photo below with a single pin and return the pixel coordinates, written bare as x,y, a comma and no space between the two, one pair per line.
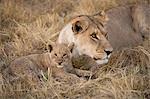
108,52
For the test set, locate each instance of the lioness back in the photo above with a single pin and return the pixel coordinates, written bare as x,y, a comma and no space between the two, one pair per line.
120,31
128,25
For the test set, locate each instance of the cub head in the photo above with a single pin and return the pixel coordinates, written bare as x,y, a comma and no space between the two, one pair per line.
89,36
61,54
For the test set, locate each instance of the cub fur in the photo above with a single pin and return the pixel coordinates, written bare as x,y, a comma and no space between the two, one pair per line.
29,67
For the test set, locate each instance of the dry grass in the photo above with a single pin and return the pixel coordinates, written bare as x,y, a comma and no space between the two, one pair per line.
27,26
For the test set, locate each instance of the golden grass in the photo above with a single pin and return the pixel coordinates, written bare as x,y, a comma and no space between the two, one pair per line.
27,26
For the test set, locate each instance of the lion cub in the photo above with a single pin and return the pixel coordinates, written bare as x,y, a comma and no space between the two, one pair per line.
29,67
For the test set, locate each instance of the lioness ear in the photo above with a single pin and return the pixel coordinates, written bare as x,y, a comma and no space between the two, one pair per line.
71,46
101,16
80,26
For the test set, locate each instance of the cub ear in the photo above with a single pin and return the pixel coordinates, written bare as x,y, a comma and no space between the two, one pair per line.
101,16
79,26
71,46
51,46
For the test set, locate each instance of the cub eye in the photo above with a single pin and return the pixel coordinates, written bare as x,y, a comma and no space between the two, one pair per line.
106,36
55,54
93,35
65,55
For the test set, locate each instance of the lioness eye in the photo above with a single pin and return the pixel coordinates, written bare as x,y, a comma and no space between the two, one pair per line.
55,54
93,35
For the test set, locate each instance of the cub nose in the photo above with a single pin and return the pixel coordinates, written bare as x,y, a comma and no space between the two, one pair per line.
108,52
60,63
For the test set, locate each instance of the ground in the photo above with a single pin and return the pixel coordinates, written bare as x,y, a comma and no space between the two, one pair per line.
27,26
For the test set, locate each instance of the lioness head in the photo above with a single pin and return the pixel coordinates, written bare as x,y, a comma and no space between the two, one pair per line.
89,36
61,53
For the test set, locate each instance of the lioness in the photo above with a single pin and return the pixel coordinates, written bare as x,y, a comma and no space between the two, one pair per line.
96,36
89,37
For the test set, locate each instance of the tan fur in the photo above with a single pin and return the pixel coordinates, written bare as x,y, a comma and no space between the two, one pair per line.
89,37
141,20
29,67
128,25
